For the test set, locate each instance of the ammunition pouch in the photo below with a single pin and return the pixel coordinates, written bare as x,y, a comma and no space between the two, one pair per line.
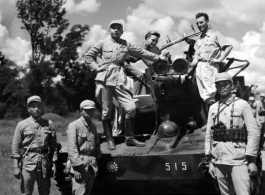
223,134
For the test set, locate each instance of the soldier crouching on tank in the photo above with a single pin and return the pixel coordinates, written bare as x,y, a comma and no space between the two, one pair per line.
111,78
83,150
37,137
232,139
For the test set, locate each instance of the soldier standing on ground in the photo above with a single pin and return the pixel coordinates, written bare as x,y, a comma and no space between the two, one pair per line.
83,149
110,80
37,137
210,50
233,156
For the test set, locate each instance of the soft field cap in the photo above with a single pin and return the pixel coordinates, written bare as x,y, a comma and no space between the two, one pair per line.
34,98
87,104
116,22
262,95
251,98
152,32
223,76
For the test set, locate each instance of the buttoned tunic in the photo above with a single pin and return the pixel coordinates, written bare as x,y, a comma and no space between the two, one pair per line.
232,152
114,54
110,82
24,135
83,142
207,47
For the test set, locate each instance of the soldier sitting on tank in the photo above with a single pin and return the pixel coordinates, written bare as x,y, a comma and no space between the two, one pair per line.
210,50
151,40
232,140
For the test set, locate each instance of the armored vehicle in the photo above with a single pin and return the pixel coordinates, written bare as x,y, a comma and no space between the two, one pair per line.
171,121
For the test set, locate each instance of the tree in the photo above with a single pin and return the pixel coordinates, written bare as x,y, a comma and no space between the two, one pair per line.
54,51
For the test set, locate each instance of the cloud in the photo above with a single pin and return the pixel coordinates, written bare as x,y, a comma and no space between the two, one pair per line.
88,6
96,33
17,49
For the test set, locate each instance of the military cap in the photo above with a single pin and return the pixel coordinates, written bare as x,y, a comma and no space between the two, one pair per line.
262,95
87,104
34,98
116,22
223,76
152,32
251,98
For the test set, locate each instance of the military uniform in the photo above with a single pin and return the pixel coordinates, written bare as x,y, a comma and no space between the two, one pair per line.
83,149
208,46
110,82
229,156
38,138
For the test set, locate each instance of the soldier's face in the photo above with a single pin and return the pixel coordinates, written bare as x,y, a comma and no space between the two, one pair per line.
88,114
35,109
262,98
251,102
151,41
202,24
224,88
115,31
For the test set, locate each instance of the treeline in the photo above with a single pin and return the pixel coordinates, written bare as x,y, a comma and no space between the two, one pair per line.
55,72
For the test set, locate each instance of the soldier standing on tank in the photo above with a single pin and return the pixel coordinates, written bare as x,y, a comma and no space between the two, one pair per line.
37,138
210,50
234,155
83,149
260,113
110,79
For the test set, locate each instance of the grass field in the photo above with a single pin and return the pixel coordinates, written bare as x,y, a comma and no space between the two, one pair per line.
9,185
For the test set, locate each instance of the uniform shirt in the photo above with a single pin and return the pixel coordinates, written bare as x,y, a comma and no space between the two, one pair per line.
83,141
208,43
114,53
232,153
24,135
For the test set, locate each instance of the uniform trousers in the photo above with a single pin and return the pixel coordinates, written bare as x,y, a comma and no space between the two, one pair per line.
86,184
28,179
233,179
105,94
205,77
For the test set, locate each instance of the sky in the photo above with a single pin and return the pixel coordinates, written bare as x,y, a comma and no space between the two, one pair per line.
241,22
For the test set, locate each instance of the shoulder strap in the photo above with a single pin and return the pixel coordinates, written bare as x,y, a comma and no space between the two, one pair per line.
219,111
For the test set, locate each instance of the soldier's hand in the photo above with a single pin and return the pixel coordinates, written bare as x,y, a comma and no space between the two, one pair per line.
252,169
101,68
17,172
78,173
212,171
53,170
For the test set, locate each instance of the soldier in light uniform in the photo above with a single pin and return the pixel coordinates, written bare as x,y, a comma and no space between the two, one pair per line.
83,150
151,40
260,114
251,101
234,155
110,79
37,138
210,50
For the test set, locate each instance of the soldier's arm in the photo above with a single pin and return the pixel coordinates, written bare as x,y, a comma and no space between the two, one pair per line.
224,45
73,152
53,143
17,143
91,56
142,53
253,132
210,123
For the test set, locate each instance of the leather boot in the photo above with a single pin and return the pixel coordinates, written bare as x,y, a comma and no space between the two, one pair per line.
129,133
107,131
